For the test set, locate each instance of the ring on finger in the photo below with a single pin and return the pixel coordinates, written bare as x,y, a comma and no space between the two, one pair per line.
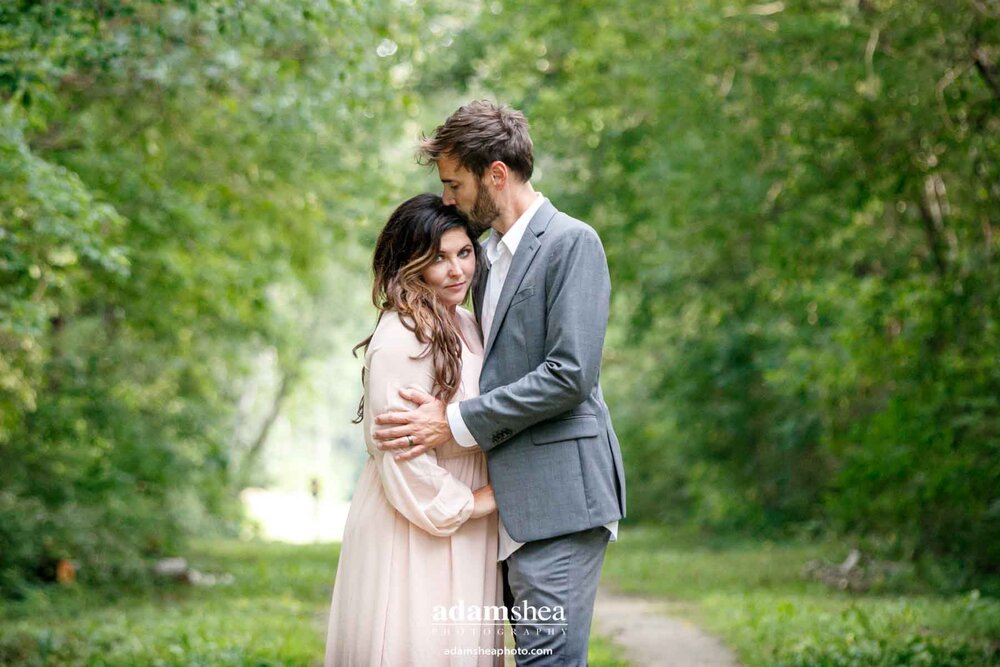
409,439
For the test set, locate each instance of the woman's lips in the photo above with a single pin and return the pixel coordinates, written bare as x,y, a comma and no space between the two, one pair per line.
456,286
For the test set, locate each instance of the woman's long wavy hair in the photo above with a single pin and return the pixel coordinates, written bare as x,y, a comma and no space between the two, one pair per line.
408,244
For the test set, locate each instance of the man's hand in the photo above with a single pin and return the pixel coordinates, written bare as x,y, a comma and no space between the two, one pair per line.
426,425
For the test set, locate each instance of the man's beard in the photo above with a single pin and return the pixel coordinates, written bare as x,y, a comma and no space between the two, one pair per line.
484,211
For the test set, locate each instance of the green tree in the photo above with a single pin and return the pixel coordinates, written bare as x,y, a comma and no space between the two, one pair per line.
172,171
799,204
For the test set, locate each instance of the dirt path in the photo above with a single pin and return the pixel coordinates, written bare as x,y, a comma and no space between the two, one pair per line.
647,636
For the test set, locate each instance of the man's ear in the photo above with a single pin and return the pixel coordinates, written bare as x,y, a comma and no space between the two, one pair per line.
497,174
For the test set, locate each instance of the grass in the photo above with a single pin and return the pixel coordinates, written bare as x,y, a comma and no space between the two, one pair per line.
271,615
274,613
753,595
603,653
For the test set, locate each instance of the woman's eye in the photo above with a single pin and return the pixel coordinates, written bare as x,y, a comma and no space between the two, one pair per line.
464,253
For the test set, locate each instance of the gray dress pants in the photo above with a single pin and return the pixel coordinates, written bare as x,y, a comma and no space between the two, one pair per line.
546,576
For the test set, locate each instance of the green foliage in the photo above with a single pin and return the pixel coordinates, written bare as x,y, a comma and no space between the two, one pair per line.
175,178
799,204
774,630
273,613
755,596
56,241
603,653
798,201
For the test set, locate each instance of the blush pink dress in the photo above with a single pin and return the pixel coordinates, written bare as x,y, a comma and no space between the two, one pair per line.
410,548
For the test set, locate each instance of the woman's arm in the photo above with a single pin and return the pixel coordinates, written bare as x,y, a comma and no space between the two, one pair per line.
419,489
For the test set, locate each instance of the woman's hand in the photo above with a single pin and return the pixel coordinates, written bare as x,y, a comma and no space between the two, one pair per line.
485,502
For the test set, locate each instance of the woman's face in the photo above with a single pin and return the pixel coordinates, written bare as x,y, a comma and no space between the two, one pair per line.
450,272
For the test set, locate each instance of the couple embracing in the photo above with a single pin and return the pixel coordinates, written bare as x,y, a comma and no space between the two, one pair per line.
494,479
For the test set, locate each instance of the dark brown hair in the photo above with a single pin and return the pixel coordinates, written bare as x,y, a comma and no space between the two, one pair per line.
480,133
407,245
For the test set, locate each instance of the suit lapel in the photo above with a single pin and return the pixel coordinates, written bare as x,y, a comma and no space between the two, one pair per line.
526,250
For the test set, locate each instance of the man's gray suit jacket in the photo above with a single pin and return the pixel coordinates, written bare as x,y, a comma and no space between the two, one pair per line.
552,453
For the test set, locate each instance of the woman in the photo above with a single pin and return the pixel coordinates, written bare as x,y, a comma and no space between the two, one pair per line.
421,535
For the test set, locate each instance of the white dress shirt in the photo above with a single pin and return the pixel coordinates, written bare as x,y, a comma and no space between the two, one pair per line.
500,249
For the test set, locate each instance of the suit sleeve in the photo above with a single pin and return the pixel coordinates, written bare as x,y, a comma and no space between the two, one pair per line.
419,489
578,293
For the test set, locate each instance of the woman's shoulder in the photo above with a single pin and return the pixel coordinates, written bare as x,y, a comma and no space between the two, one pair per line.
391,333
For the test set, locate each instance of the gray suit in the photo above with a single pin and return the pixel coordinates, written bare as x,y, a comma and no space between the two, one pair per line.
553,457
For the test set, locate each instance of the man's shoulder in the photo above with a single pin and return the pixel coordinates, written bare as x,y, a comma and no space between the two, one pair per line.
564,227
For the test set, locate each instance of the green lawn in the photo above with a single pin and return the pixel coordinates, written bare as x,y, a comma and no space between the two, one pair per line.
756,599
752,595
273,614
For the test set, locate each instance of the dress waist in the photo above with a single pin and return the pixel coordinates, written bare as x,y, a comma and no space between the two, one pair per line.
462,451
452,454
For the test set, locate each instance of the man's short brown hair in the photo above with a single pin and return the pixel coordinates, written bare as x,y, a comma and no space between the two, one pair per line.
478,134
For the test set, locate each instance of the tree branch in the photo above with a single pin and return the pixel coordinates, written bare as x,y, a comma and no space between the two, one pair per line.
933,237
987,70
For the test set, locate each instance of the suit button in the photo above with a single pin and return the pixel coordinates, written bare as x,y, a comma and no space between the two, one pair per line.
501,435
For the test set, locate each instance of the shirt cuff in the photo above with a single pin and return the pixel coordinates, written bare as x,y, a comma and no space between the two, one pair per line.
458,428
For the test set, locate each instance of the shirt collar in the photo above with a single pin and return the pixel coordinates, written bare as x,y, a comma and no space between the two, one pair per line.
512,238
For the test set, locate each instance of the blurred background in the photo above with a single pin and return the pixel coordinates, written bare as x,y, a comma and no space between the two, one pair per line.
800,203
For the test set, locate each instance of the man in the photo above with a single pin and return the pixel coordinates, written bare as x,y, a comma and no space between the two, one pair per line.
553,457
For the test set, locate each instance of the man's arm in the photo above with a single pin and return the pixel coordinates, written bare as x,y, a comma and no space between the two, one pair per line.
578,290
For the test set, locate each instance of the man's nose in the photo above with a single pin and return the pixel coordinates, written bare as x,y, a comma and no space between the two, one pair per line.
447,198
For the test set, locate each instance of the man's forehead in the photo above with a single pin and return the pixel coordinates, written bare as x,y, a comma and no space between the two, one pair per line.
449,168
